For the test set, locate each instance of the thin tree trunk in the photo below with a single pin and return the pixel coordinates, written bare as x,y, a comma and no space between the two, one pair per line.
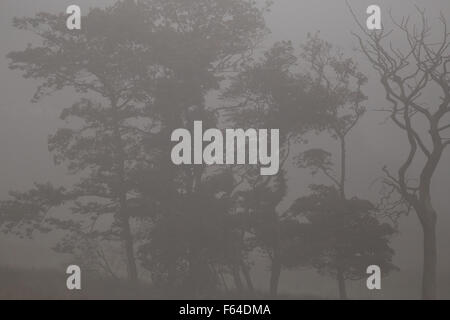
237,278
247,277
343,167
123,212
341,285
276,261
428,218
429,260
275,278
340,272
224,282
131,261
126,231
275,273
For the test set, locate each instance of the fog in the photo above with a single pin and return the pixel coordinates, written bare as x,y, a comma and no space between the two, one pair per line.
375,142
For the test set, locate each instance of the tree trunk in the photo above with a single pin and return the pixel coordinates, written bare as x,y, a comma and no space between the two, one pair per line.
131,261
247,277
275,273
237,278
340,272
122,195
126,230
343,167
341,284
429,260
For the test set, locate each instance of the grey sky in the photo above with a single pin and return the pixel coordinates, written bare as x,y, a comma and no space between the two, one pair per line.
24,128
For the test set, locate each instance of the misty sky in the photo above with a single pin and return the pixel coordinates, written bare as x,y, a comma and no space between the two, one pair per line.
24,128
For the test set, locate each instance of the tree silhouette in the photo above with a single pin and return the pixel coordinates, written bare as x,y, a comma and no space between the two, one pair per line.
139,69
212,39
24,212
105,137
406,75
142,69
200,240
346,235
327,97
336,79
338,82
266,94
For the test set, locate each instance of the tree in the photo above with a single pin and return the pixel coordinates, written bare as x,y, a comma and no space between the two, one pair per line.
327,97
406,75
141,67
104,141
338,83
201,239
344,236
264,226
211,39
24,212
267,94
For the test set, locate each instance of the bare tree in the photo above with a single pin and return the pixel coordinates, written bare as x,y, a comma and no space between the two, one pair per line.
406,75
